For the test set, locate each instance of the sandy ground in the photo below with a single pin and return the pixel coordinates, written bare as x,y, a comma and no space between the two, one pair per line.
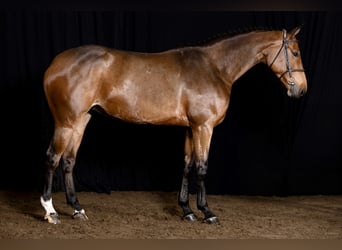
156,215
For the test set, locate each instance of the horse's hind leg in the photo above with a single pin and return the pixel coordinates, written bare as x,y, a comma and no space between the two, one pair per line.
183,198
65,142
68,163
58,143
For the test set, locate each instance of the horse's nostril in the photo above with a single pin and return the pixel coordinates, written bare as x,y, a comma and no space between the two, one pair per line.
302,92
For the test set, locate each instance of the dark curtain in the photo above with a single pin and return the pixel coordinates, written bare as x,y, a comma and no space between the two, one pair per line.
268,144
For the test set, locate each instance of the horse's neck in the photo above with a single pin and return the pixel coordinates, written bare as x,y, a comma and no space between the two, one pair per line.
235,56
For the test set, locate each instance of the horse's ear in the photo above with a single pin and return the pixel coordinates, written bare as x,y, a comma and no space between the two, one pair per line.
295,31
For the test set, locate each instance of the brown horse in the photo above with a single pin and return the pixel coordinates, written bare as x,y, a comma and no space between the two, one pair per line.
188,86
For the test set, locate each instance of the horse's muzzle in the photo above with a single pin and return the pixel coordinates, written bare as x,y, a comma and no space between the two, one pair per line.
296,91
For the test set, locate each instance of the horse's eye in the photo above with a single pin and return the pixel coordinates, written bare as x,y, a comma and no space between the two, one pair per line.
295,53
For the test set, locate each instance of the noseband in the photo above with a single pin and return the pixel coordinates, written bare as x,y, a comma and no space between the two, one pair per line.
285,45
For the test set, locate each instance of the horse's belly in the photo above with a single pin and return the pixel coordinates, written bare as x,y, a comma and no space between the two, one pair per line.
153,111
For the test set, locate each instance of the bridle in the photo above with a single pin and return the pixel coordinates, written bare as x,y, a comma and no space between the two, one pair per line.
285,45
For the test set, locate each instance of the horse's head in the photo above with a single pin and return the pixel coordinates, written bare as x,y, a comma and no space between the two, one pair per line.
285,61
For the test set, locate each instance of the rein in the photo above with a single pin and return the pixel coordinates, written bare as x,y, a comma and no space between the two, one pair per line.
284,45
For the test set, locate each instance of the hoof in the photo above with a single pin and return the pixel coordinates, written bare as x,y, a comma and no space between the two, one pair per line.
80,215
52,218
190,217
211,220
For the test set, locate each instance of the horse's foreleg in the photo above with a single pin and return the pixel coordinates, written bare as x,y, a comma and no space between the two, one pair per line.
183,198
202,138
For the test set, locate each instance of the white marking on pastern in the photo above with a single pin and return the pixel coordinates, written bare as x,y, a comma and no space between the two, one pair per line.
47,205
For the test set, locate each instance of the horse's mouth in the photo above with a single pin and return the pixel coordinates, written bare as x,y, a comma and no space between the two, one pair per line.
292,91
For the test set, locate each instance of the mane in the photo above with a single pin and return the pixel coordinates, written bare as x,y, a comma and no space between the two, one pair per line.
221,36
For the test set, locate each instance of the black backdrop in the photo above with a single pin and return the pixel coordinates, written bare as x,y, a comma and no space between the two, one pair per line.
268,144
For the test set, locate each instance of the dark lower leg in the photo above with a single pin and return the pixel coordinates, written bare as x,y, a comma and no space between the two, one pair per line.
202,203
48,185
51,165
183,199
70,192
